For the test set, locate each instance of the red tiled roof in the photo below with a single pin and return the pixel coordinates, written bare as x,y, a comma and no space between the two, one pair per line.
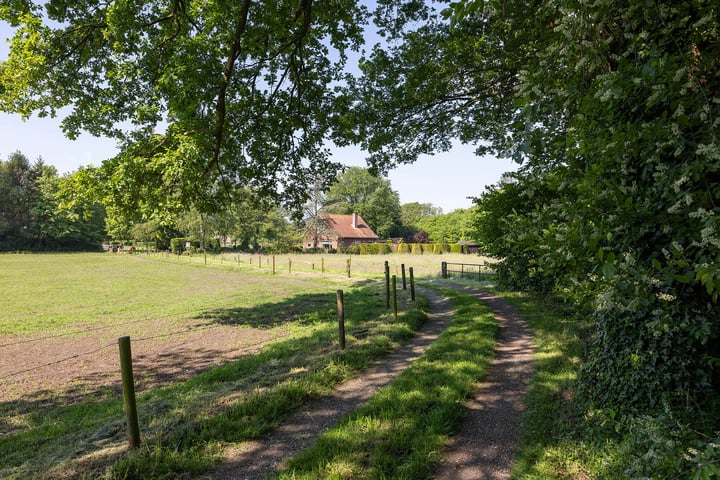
343,225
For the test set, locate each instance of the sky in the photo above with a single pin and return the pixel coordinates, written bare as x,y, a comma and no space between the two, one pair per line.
445,180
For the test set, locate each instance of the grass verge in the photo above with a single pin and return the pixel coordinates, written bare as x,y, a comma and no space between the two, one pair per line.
549,446
565,439
287,375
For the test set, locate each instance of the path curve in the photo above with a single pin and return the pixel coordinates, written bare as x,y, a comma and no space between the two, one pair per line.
484,447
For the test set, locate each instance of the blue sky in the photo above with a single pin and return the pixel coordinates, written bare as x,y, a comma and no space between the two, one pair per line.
445,179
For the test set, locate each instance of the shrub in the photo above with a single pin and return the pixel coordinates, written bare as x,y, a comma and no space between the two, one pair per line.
374,248
213,245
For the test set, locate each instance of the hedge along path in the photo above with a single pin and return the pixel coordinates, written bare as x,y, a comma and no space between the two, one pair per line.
484,446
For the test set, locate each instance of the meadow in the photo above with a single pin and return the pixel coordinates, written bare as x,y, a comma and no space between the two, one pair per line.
224,352
361,266
62,315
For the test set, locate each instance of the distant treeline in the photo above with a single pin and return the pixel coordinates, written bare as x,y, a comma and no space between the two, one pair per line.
33,215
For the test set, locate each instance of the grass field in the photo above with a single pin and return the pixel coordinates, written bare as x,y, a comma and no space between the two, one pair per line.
77,430
52,292
361,266
61,315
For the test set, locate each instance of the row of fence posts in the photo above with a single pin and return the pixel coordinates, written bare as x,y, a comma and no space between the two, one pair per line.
126,368
348,263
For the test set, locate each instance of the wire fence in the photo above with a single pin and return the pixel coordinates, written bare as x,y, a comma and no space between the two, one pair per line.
260,262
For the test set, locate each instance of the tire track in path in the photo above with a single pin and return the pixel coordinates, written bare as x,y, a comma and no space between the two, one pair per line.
484,447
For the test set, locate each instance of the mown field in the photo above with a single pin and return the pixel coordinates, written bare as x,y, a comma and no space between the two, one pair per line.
361,266
223,352
60,406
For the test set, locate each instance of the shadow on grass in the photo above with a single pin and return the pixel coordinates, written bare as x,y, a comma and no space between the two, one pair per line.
68,429
301,309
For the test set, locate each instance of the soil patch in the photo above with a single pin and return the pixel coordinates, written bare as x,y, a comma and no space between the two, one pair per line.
47,370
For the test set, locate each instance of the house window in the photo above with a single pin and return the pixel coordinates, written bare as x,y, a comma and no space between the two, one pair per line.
327,244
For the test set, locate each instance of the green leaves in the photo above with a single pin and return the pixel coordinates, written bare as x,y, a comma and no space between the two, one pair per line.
250,84
357,190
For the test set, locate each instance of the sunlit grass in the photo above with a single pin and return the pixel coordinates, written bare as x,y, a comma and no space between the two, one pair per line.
183,426
67,292
402,431
361,266
548,448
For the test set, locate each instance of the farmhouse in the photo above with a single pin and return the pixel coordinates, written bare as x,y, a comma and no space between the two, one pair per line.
341,230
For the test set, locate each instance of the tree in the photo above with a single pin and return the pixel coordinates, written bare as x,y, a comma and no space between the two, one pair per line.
450,227
613,107
17,192
358,191
60,225
34,214
412,213
314,224
204,96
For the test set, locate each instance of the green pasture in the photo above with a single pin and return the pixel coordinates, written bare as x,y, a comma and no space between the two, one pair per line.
54,295
361,266
185,426
57,292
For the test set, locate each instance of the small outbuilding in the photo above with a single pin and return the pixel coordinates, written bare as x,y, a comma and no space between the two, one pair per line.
468,246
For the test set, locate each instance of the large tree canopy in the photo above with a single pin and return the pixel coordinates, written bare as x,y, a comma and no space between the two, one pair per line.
613,106
203,95
614,109
34,214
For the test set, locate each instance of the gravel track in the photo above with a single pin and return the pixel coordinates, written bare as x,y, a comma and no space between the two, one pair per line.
485,445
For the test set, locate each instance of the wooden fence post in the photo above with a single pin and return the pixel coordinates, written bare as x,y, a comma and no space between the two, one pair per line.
394,294
387,285
128,385
402,267
412,285
443,269
273,264
341,318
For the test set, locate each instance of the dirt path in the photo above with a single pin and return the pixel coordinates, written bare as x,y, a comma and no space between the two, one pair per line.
482,449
